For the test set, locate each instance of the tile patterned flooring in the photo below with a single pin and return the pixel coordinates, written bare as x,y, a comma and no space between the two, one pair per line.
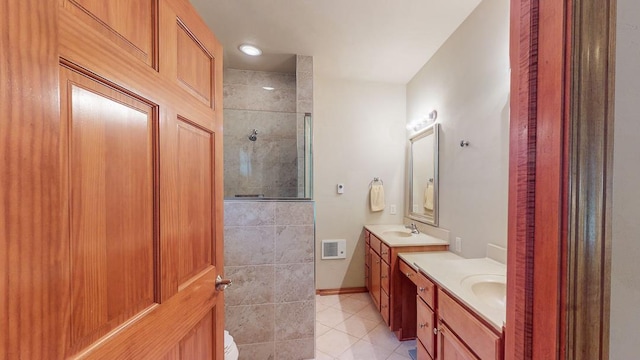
349,327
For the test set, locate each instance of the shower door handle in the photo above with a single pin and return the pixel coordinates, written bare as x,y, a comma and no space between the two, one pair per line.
222,284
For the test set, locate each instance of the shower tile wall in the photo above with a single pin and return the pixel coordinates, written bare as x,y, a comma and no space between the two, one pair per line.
269,255
269,165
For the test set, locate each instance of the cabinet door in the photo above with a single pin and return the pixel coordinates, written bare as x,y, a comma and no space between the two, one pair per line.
375,278
422,353
384,307
425,325
367,266
451,348
385,274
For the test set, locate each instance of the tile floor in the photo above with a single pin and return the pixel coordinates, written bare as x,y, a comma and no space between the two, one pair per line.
349,327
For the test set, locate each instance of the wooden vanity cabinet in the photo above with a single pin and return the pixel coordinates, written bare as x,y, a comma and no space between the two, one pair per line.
392,292
461,334
479,338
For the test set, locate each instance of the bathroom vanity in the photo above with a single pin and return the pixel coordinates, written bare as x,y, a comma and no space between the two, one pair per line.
391,291
460,305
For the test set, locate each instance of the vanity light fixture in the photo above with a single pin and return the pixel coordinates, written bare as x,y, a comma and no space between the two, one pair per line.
250,50
419,124
268,88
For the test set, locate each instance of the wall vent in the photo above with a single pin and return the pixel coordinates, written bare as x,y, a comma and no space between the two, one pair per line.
334,249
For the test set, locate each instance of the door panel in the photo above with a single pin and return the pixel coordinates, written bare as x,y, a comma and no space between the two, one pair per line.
197,344
131,24
195,212
195,65
111,180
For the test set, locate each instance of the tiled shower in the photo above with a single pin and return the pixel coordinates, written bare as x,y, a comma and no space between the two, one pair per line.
269,244
276,109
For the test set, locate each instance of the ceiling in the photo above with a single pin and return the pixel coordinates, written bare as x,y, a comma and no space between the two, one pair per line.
374,40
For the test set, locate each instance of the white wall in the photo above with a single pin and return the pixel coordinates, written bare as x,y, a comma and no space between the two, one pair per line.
467,82
359,134
625,281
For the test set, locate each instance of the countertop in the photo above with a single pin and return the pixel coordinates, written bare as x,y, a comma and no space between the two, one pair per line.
385,233
449,271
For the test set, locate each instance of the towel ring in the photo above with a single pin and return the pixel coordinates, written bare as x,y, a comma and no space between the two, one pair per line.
375,180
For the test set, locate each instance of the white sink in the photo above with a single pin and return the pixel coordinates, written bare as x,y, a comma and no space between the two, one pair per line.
397,233
490,289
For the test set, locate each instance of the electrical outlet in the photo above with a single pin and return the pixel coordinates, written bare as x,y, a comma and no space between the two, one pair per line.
392,209
458,244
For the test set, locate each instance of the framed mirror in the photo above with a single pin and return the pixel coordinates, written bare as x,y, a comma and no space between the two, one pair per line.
423,176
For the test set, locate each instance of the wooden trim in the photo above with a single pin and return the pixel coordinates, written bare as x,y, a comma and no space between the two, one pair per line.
537,180
589,232
523,59
339,291
550,181
34,270
560,179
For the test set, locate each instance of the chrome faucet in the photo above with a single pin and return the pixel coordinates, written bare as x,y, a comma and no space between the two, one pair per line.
413,227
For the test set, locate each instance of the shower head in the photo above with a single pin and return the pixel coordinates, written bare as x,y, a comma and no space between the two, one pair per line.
254,135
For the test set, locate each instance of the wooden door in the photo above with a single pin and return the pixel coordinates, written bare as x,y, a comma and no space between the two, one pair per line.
113,194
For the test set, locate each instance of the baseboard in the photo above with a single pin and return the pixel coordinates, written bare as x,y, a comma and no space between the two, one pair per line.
354,290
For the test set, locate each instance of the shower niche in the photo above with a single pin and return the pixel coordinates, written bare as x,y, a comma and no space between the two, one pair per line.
268,133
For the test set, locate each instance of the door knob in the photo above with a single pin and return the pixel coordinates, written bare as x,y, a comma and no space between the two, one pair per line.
222,284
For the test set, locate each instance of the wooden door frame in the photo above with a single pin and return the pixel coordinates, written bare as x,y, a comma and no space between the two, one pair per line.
561,136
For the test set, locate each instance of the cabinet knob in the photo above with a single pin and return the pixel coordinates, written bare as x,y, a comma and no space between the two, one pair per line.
409,274
383,276
384,253
421,289
422,326
435,331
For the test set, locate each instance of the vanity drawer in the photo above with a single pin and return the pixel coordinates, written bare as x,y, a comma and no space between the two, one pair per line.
425,325
385,273
478,337
385,253
408,271
375,244
384,306
426,290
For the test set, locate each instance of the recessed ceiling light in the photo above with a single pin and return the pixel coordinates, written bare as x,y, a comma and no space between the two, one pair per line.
250,50
268,88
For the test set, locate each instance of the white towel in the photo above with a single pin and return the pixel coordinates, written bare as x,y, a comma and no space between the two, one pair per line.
428,197
377,197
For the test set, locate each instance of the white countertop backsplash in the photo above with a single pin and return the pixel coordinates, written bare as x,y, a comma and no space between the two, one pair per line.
397,241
